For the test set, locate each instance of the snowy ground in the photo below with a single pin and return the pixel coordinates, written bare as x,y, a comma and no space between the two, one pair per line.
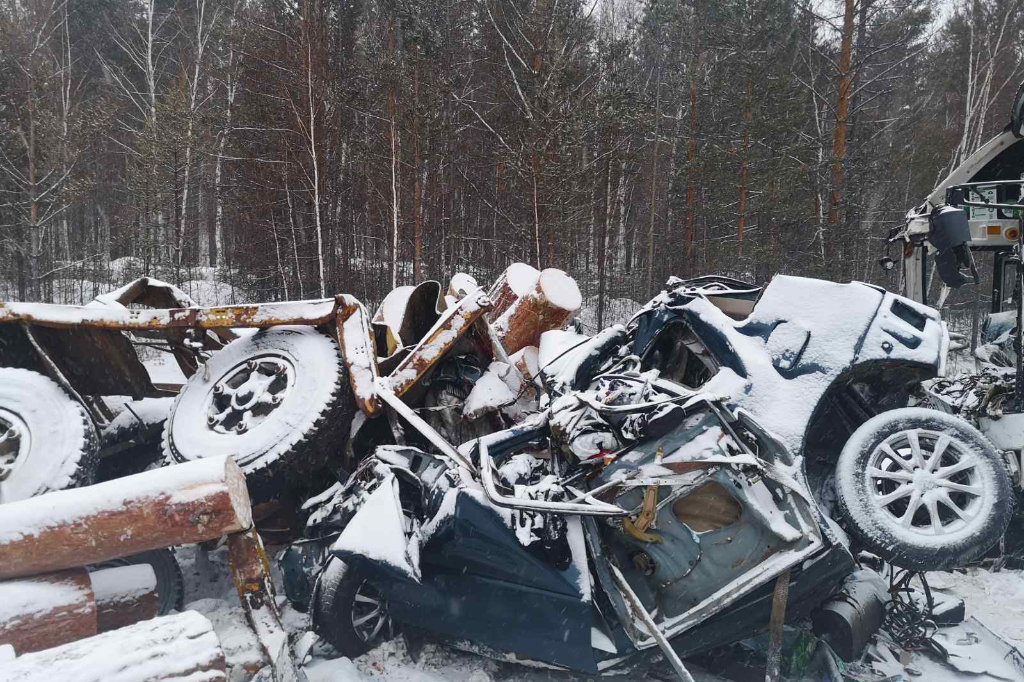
996,599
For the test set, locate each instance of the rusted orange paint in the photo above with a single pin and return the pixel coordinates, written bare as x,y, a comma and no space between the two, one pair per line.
361,370
438,342
262,315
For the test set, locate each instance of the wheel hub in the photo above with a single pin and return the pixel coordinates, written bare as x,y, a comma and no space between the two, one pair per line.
14,442
925,482
369,613
248,393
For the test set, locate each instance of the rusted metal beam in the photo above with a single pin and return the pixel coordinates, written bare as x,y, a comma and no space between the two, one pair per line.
352,331
445,333
251,570
459,289
259,315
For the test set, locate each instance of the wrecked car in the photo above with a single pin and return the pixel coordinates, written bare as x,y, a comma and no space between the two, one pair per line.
829,369
275,384
580,564
661,489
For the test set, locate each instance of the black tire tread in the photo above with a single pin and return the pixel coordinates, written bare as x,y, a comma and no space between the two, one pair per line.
276,472
333,596
89,456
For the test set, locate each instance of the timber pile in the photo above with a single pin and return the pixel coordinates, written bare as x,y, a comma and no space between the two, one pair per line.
124,595
65,623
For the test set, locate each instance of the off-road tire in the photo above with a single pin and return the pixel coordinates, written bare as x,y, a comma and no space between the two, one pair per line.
62,450
333,606
861,491
170,586
290,442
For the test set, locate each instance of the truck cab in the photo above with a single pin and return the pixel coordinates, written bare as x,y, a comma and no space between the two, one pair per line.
987,188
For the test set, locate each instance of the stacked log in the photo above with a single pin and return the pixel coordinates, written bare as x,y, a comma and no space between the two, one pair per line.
124,595
47,610
179,647
51,609
526,360
515,282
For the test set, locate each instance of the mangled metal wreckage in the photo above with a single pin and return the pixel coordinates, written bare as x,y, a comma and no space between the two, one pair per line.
576,504
660,488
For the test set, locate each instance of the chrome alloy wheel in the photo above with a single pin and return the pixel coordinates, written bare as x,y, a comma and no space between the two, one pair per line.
925,482
369,613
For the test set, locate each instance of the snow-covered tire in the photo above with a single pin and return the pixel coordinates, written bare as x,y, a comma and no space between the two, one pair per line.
170,586
923,489
278,401
345,610
47,439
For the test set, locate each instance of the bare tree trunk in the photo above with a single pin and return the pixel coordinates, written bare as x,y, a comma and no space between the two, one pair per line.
654,185
314,157
417,199
35,229
65,114
229,102
744,166
534,170
153,214
842,118
602,252
295,239
691,153
392,134
180,247
277,252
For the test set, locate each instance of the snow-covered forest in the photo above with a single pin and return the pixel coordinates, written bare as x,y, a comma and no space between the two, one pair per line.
293,149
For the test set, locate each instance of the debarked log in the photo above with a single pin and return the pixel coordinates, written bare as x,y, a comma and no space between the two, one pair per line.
549,305
178,647
124,595
516,281
47,610
181,504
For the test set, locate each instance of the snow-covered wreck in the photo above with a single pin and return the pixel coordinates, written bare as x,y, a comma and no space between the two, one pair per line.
658,493
675,484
